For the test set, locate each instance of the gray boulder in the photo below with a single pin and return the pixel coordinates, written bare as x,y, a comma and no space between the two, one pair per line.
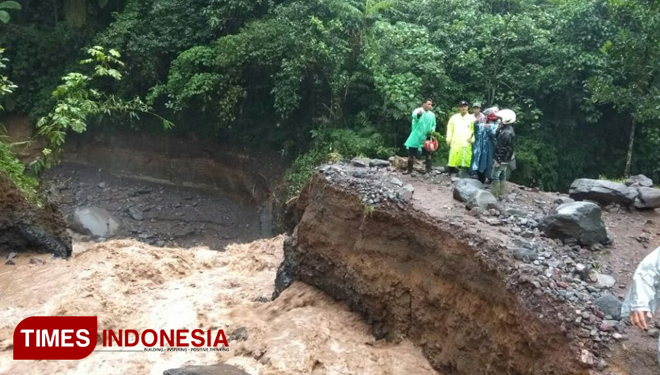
603,192
648,199
377,163
564,200
406,193
609,305
360,162
466,188
484,200
639,180
581,221
221,369
135,213
93,221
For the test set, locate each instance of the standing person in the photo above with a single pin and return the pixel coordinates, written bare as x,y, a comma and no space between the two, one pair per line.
484,145
423,123
478,115
642,299
504,146
460,136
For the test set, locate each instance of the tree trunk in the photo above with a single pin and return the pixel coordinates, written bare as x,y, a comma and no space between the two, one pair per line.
75,12
633,127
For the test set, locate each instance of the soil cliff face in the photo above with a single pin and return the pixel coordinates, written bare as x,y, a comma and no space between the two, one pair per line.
24,226
411,276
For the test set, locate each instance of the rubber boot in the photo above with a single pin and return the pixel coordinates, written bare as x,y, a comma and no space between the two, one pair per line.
429,165
411,163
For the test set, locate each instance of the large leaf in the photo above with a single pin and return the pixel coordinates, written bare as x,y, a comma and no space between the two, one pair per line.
10,5
4,16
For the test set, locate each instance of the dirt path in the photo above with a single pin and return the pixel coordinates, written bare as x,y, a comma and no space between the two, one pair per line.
635,235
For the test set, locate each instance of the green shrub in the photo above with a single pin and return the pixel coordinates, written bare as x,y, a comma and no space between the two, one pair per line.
13,167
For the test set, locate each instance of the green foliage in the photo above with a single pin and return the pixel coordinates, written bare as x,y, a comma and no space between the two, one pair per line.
9,163
331,146
12,167
339,78
4,7
78,100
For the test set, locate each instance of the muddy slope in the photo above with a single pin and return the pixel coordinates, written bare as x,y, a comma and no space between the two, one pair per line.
24,226
410,276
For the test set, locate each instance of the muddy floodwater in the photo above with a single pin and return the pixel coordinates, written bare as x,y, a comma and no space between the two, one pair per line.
132,285
185,259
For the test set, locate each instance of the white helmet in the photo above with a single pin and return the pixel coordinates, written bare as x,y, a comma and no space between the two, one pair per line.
508,116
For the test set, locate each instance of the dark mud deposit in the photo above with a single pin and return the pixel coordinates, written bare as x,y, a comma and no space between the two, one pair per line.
154,213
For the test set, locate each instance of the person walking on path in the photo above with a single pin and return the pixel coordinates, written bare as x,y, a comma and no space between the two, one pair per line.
484,144
504,148
460,136
423,123
642,299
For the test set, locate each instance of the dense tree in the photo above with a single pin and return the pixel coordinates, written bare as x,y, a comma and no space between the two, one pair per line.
323,78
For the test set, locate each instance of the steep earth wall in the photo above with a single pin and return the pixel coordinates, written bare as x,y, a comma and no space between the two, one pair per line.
413,276
248,176
25,226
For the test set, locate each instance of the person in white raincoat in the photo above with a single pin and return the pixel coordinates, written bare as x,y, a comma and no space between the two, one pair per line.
643,296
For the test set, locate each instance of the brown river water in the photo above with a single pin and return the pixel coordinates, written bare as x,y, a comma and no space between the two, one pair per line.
131,285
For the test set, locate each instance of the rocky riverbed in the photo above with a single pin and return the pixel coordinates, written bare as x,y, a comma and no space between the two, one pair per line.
154,213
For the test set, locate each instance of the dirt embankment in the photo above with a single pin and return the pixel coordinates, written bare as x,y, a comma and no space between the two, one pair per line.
249,176
423,279
25,226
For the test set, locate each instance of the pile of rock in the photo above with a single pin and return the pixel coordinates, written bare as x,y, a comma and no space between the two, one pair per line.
371,179
638,191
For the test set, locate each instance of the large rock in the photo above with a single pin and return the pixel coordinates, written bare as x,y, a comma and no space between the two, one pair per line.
648,199
466,188
603,192
639,180
93,221
580,220
206,370
484,200
609,305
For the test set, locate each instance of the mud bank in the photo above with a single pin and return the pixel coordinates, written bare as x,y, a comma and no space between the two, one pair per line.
242,175
25,226
411,276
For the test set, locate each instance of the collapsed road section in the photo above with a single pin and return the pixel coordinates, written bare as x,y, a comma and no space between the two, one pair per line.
457,283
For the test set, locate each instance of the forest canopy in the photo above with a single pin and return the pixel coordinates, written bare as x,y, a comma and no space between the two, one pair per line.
314,79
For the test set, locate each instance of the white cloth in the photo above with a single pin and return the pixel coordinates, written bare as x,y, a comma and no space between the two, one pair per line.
644,294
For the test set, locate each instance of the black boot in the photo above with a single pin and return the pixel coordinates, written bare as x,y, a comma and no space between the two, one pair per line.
429,165
411,163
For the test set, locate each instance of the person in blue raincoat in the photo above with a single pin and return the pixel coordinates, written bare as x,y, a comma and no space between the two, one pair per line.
484,144
642,299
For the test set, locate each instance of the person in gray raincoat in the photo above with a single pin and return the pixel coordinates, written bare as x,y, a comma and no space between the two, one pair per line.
642,299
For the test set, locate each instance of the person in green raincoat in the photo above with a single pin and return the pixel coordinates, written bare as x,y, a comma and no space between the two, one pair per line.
460,136
423,123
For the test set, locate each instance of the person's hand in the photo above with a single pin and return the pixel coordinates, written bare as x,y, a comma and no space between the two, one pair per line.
638,319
